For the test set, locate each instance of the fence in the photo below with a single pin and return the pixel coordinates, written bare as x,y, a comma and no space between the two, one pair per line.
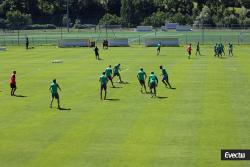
51,37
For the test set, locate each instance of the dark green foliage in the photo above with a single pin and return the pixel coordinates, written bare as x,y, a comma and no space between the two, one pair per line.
17,20
157,19
129,12
110,19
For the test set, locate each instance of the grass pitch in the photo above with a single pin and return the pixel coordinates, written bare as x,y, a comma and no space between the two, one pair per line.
208,111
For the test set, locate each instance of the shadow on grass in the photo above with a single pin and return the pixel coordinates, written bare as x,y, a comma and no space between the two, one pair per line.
162,97
20,96
112,99
64,108
123,82
116,87
170,88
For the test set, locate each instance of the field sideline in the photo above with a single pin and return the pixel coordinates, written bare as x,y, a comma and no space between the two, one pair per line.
208,111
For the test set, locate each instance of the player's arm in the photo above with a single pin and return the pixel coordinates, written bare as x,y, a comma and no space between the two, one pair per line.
156,79
59,87
145,75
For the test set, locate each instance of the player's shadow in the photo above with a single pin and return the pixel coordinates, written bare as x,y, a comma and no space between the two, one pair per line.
112,99
123,82
162,97
171,88
116,87
100,59
20,96
64,108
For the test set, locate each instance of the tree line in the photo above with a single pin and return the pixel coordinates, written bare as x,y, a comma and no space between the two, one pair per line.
130,13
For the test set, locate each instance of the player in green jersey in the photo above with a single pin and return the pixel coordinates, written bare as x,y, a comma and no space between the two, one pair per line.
54,93
103,80
141,75
198,49
230,49
116,71
152,83
108,73
165,77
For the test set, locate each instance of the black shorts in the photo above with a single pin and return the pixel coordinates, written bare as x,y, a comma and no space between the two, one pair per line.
117,74
104,86
55,95
110,78
13,85
189,52
152,85
142,82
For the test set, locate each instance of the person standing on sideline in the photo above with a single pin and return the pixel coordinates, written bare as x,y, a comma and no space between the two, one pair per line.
96,50
54,93
13,83
158,48
27,43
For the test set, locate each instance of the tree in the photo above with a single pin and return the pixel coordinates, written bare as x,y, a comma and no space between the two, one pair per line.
110,19
114,7
246,3
18,20
205,17
157,19
126,11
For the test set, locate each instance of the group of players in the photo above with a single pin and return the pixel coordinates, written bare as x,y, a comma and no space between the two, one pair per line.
109,74
219,50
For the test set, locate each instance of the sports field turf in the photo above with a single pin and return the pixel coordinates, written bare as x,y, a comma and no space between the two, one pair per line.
187,127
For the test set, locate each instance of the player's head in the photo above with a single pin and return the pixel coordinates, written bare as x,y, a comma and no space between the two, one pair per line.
110,66
160,66
152,72
54,80
103,73
14,72
141,69
190,44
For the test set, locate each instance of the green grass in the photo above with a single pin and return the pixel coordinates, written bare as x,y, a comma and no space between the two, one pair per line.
208,111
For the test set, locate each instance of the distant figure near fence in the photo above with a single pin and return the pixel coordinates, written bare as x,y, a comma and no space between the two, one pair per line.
27,43
105,44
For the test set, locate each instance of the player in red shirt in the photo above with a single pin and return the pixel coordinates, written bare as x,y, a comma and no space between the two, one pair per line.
189,50
13,83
